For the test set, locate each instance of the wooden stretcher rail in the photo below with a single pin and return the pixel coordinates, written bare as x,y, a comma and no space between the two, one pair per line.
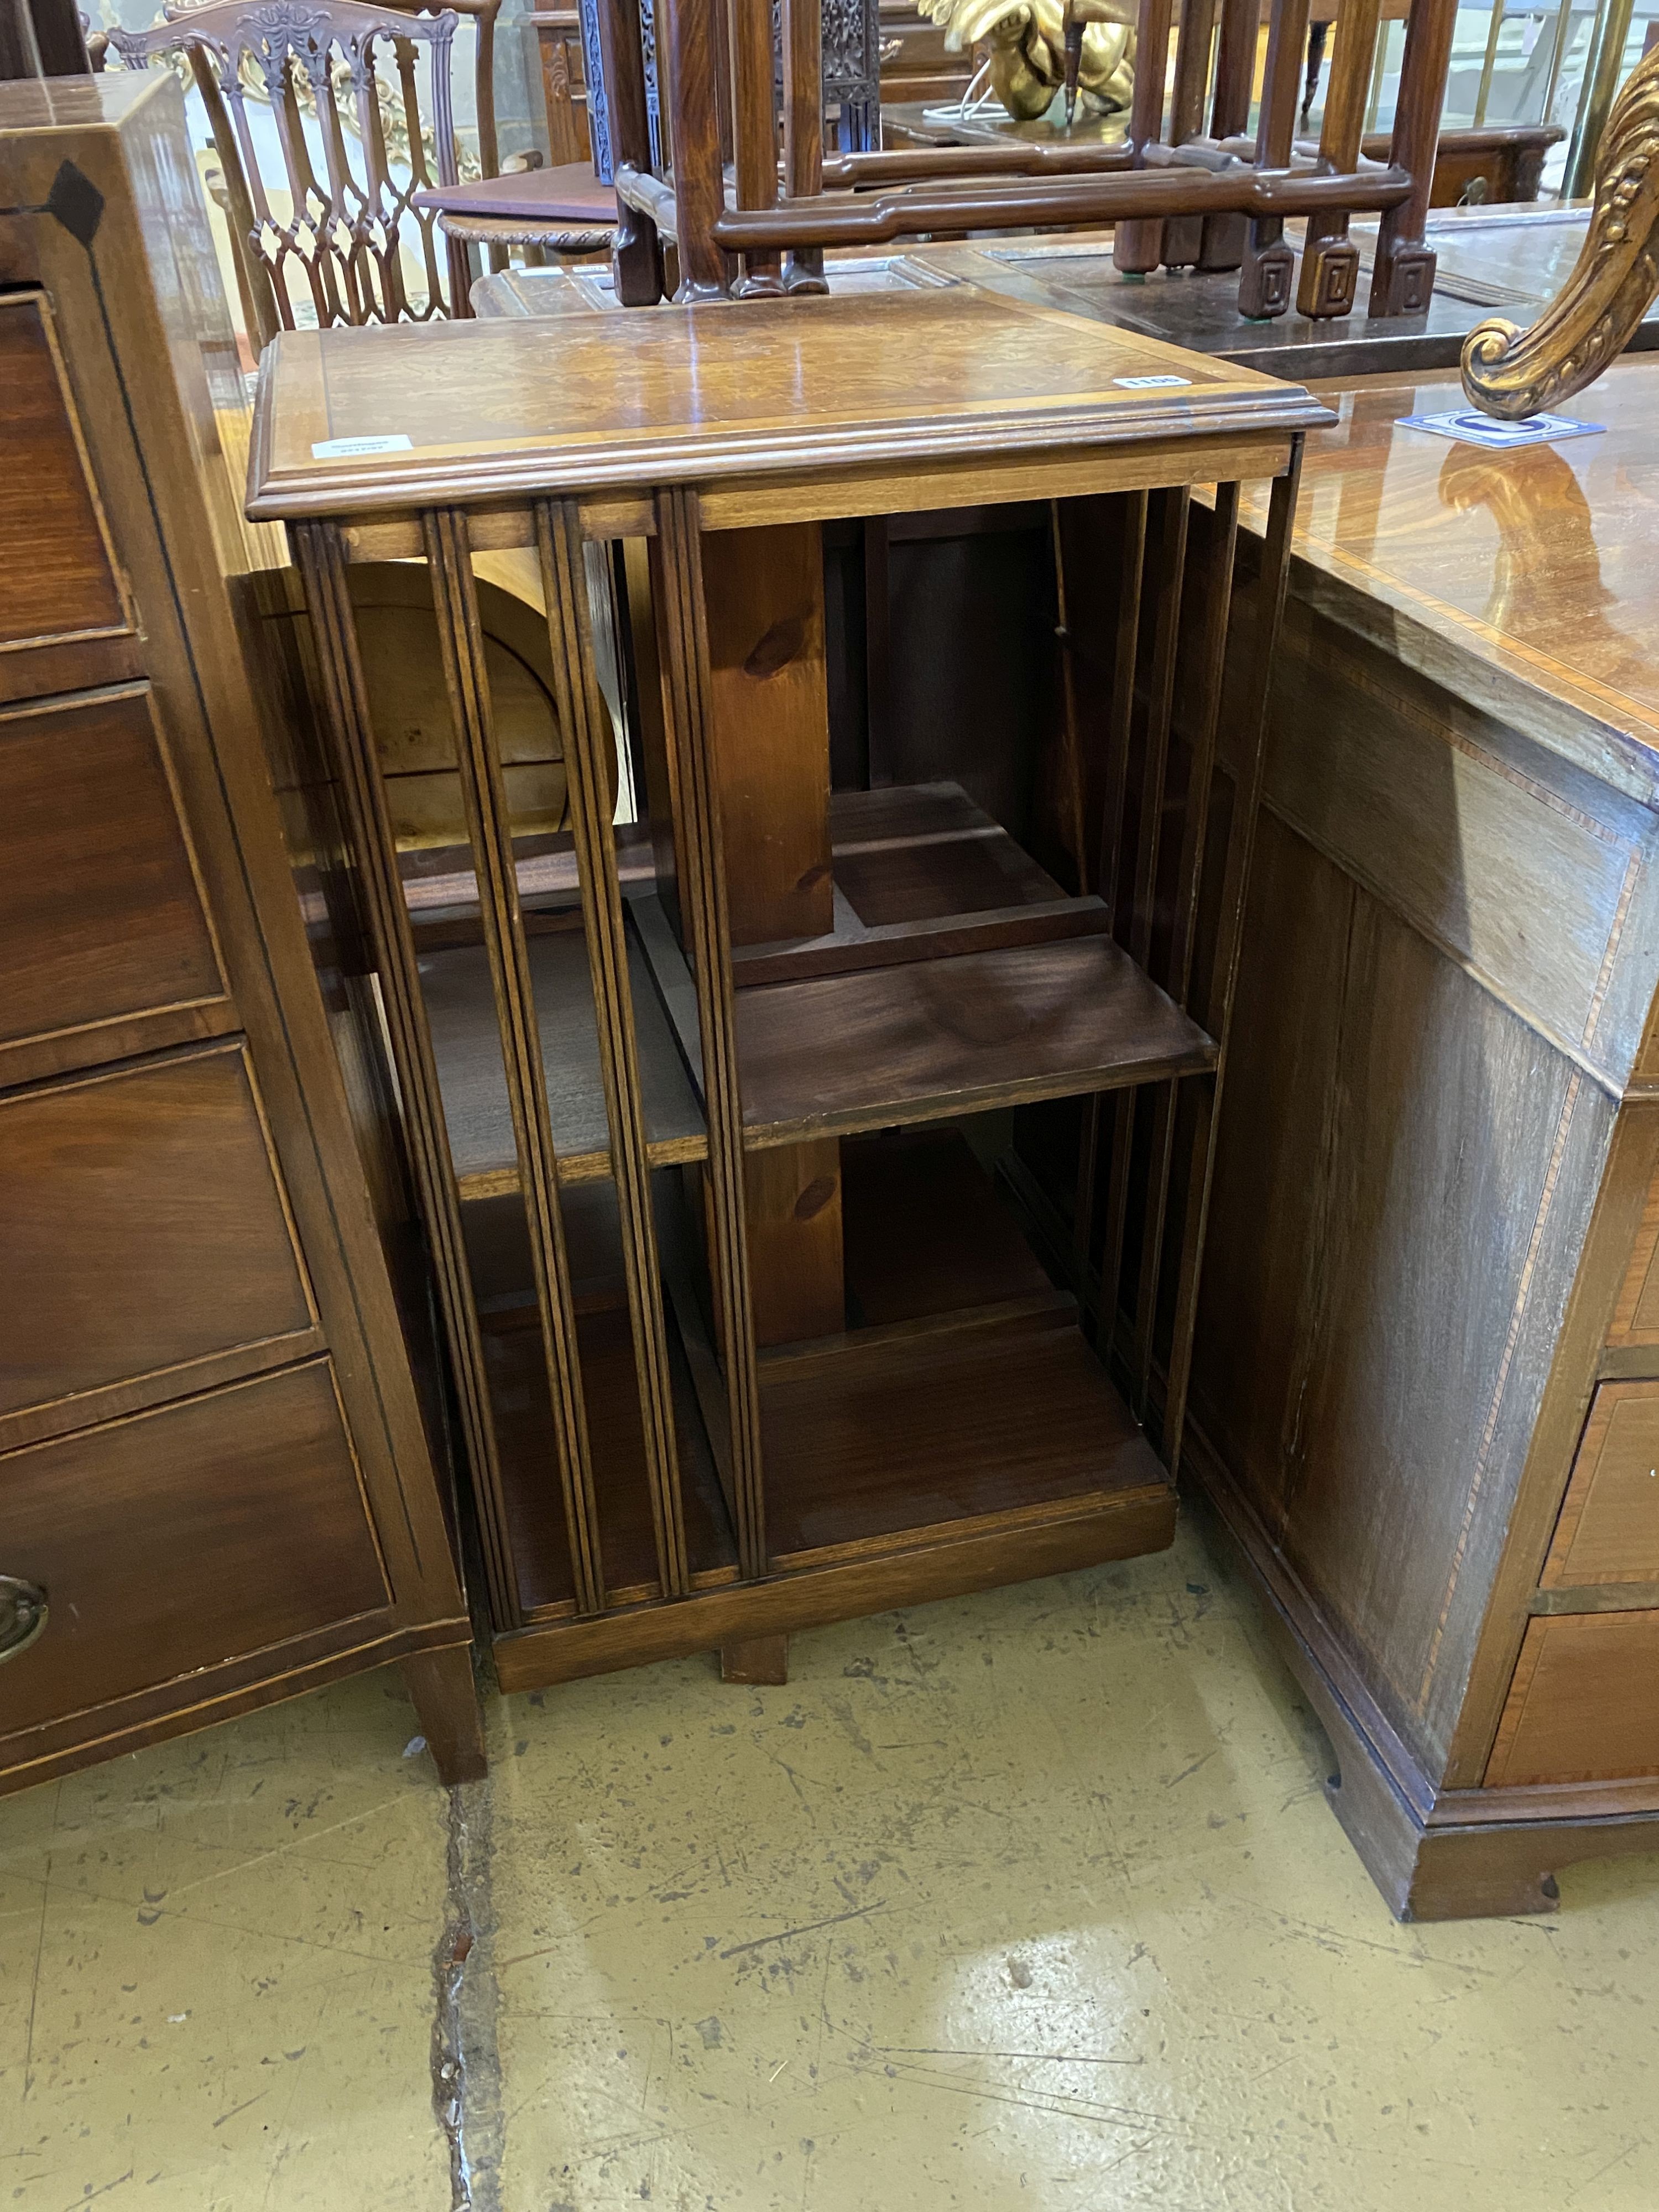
1107,196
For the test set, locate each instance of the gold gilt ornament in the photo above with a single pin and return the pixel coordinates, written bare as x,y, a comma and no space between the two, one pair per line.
1515,372
1028,49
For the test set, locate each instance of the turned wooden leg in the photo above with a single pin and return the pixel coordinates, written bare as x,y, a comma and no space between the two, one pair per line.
756,1659
446,1704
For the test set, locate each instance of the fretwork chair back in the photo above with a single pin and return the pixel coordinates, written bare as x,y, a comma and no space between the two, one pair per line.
1179,195
321,213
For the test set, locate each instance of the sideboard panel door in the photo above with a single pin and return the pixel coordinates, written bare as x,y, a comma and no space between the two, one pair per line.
1584,1704
177,1538
1609,1531
141,1216
63,616
109,951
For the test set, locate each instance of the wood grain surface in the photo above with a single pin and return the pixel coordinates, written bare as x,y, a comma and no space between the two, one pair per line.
579,401
109,949
175,1540
1585,1702
1609,1531
58,582
142,1227
917,1431
841,1053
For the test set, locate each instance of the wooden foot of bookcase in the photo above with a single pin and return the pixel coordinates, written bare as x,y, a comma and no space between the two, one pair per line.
761,1659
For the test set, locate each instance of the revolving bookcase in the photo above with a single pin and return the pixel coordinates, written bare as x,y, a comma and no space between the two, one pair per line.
813,1172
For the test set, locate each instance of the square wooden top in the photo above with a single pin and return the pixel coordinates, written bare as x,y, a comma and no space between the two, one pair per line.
627,401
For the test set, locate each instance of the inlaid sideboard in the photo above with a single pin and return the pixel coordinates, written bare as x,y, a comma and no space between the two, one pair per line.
217,1487
1425,1394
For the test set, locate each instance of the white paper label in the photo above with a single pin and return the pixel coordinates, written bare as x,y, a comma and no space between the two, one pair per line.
1148,383
1474,429
346,449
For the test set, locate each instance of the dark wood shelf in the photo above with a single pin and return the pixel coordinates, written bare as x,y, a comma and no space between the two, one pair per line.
907,1437
958,978
931,1038
461,1010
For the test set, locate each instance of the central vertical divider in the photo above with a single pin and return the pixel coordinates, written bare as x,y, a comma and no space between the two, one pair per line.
704,915
584,718
489,826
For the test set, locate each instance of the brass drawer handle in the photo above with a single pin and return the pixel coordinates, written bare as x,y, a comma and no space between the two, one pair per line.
23,1615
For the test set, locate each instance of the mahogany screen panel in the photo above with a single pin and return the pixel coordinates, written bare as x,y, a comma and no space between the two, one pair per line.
179,1539
141,1227
100,909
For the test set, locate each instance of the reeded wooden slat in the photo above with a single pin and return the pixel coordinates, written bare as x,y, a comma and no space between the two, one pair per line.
490,828
1167,564
585,721
678,568
1070,745
1125,641
320,554
1215,589
1168,572
1210,600
1126,635
1269,606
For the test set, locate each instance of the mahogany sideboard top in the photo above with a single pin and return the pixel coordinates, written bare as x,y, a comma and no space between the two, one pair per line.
1537,563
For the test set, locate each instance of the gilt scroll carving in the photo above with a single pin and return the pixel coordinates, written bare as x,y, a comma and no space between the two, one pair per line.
1515,372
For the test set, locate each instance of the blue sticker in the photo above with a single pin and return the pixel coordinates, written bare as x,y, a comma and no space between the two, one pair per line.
1476,429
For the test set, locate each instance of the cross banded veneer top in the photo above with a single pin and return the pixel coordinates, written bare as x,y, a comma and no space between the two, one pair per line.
628,401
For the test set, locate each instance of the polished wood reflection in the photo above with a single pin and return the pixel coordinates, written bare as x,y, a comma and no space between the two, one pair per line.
1539,561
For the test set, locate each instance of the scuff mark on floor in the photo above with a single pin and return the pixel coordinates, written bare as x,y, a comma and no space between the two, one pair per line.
466,2082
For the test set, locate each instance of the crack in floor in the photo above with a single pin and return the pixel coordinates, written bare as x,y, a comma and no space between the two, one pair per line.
466,2082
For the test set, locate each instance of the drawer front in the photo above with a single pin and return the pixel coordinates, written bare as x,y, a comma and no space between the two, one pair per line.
108,951
1584,1703
1635,1316
143,1236
1609,1531
180,1539
64,623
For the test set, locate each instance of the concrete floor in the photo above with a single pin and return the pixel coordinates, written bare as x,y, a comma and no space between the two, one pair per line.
1025,1900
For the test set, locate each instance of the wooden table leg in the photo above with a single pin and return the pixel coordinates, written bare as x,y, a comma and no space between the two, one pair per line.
756,1659
446,1704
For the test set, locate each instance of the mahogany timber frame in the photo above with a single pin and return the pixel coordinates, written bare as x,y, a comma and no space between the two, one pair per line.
661,1464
